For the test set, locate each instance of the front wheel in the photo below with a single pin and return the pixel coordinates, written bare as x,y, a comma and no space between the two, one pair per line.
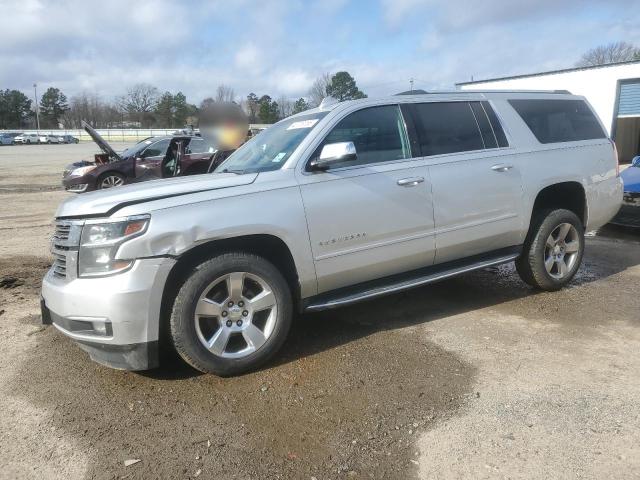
553,250
231,314
110,180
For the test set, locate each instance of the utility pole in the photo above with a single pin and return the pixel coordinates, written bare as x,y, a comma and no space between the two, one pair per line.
411,83
35,92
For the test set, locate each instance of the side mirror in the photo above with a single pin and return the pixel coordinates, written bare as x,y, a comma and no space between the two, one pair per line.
334,153
636,161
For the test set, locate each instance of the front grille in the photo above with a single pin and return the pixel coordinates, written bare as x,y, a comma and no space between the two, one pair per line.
60,265
64,247
62,231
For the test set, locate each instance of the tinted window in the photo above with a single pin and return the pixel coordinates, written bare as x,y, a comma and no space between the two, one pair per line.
377,132
485,127
553,121
157,149
446,127
198,145
495,125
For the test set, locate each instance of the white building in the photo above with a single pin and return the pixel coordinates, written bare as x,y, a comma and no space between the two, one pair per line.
613,90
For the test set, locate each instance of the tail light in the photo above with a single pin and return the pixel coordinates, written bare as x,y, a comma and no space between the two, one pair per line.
615,153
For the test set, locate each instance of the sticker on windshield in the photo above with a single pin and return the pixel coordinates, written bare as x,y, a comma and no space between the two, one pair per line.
303,124
279,157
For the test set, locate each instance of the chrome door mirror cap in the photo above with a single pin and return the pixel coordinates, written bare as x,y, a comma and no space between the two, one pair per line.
333,153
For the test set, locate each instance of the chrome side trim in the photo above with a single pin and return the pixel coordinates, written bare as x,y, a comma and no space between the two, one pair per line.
407,284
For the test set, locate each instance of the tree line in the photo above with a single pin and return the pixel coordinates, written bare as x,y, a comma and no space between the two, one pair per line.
143,105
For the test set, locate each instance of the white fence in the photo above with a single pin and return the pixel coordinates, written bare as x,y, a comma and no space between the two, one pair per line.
115,134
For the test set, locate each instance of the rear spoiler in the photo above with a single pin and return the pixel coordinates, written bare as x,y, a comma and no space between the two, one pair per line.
101,142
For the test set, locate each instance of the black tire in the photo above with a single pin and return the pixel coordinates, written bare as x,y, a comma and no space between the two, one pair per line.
531,263
104,176
182,326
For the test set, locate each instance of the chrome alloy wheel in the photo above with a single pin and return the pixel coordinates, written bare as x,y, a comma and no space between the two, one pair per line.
111,181
561,250
235,315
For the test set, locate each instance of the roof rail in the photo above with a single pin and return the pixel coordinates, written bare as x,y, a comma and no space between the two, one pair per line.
413,92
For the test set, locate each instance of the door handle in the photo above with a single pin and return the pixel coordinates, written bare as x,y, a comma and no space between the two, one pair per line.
410,182
501,167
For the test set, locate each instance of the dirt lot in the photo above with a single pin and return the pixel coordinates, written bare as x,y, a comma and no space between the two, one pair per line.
475,377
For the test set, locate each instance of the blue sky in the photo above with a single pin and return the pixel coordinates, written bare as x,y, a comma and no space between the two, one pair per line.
280,47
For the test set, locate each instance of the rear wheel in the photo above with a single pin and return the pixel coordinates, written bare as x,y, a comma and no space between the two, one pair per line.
110,179
232,314
553,250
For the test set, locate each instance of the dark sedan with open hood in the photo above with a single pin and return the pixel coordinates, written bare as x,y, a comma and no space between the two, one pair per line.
152,158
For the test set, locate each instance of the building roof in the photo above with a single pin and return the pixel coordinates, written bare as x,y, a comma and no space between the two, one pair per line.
550,72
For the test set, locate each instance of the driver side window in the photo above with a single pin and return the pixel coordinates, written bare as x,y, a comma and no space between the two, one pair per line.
158,149
378,134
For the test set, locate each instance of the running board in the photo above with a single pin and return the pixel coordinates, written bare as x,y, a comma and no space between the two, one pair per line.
398,283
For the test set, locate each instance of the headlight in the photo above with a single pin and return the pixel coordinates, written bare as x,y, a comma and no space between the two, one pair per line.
78,172
99,244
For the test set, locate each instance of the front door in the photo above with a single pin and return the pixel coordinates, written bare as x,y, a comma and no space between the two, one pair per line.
149,163
373,216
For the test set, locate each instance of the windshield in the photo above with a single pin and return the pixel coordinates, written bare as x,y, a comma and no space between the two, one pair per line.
137,148
270,149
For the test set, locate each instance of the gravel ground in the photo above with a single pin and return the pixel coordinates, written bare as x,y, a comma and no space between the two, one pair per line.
475,377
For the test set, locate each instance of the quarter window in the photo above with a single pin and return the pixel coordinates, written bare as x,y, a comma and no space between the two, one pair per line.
378,134
553,121
446,127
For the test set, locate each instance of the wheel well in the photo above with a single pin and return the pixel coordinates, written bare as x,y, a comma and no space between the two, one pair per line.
568,195
269,247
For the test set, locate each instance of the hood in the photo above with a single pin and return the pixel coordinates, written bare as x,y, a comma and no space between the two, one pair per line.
101,142
106,202
631,179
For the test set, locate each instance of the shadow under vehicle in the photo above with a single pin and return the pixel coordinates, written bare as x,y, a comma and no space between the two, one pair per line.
149,159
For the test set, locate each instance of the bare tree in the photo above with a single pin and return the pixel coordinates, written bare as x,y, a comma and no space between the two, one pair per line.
611,53
319,89
225,94
285,107
140,101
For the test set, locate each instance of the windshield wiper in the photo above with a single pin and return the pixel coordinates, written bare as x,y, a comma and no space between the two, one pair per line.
231,170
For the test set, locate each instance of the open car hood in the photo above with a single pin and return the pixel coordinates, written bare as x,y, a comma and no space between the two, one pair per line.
106,202
101,142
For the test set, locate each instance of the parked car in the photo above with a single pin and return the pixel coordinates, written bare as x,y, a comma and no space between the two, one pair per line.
7,138
330,207
629,214
69,139
49,139
152,158
27,138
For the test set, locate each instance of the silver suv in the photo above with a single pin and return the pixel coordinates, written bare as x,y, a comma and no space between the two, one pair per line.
336,205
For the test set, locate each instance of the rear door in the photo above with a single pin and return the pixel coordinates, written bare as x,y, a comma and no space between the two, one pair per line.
371,217
197,157
477,185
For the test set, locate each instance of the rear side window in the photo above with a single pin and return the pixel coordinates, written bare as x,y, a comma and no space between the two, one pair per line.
501,138
198,145
553,121
486,130
446,127
377,132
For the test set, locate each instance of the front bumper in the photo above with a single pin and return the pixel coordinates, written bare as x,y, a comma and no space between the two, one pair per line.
79,184
116,318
